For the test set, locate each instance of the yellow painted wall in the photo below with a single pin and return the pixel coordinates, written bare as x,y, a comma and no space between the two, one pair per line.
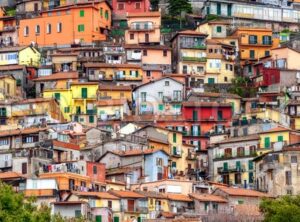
273,137
116,94
110,73
164,204
110,110
29,56
8,87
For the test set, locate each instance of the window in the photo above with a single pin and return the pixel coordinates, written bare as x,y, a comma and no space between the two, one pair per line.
206,206
109,204
267,40
250,177
67,109
161,107
177,95
148,73
57,96
219,29
143,96
121,6
26,31
137,5
267,53
167,83
252,39
288,177
215,207
165,53
3,142
195,115
131,36
37,29
200,69
94,170
211,80
225,79
280,138
160,95
267,142
59,27
81,13
294,159
250,165
77,213
80,28
91,119
106,15
174,138
173,165
145,52
3,112
101,12
84,93
24,168
49,28
252,54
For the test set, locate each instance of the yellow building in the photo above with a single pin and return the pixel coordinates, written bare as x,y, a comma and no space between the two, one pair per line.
115,92
8,87
113,109
273,138
121,72
255,43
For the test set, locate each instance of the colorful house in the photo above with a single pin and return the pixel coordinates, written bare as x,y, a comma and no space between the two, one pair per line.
8,87
143,28
121,8
89,20
106,91
21,55
274,139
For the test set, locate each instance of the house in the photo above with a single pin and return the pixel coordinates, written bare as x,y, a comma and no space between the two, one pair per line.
120,8
25,8
64,61
14,179
20,55
61,80
107,91
189,54
104,206
8,30
133,205
8,87
230,160
180,203
276,171
54,24
273,139
209,203
285,57
162,96
71,209
220,62
143,28
154,59
63,151
125,74
214,28
255,43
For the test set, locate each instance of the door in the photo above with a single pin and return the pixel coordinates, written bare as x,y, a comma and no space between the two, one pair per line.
130,205
146,37
116,219
24,168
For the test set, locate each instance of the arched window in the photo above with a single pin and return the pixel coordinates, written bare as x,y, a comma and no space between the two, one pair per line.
37,29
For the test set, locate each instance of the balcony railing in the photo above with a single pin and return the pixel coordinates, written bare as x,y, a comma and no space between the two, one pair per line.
230,156
193,46
222,170
169,99
193,59
191,133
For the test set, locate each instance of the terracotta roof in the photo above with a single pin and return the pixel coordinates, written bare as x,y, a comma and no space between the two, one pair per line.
205,104
121,170
143,14
84,83
168,214
66,145
13,49
241,192
179,197
215,95
115,182
156,80
111,102
136,152
240,139
151,118
11,67
101,195
21,131
152,194
65,54
189,32
126,194
10,175
69,202
277,129
58,76
114,88
154,47
105,65
208,197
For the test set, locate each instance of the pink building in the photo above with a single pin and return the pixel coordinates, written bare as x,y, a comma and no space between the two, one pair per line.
121,7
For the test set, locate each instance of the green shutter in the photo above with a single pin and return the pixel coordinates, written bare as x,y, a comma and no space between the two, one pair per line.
238,165
280,138
84,93
136,74
57,96
160,107
267,142
218,8
81,13
232,107
211,80
252,54
106,15
229,10
91,119
101,12
174,138
116,219
199,130
98,218
250,177
139,219
195,115
225,166
174,150
173,164
250,165
219,28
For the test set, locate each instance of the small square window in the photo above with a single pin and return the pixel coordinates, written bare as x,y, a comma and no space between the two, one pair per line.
167,83
148,73
131,36
145,52
219,29
165,53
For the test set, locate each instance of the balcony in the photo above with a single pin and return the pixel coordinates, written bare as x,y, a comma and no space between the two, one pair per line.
169,99
229,156
8,29
269,166
191,133
142,27
234,169
193,46
191,156
176,153
193,59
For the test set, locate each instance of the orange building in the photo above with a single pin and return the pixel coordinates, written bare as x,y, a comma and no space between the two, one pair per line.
255,43
79,23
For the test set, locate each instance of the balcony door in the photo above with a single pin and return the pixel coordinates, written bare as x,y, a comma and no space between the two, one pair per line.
146,37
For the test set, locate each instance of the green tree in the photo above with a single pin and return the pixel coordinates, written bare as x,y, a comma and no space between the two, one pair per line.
175,7
154,5
242,87
284,209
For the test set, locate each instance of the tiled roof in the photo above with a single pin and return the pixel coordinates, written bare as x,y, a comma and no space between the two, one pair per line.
10,175
68,202
111,102
101,195
157,80
135,152
277,129
58,76
151,118
241,192
21,131
121,170
12,49
179,197
188,32
154,47
66,145
105,65
126,194
115,182
84,83
11,67
168,214
204,104
114,88
143,14
215,95
208,197
240,139
152,194
35,100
